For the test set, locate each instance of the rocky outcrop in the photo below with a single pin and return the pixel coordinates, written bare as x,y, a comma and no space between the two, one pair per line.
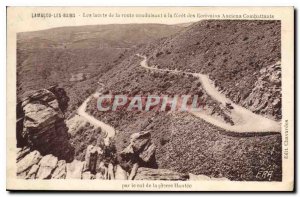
48,154
42,126
35,166
61,96
265,98
140,150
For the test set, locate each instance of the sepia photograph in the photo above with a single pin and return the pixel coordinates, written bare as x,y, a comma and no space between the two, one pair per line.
193,100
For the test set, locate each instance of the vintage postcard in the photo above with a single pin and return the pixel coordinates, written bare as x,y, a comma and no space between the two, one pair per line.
150,98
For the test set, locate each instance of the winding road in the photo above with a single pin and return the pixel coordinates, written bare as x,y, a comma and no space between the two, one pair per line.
244,119
109,130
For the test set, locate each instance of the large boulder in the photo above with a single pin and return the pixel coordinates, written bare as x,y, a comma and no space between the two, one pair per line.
140,150
44,128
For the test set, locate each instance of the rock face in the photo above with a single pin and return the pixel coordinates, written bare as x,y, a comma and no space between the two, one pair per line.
140,150
43,126
61,97
265,98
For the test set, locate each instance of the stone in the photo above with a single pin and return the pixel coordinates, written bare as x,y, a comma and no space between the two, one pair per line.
60,171
140,150
74,170
139,140
91,157
265,97
110,172
102,171
159,174
276,103
120,174
47,165
32,172
86,175
22,153
28,161
133,171
148,153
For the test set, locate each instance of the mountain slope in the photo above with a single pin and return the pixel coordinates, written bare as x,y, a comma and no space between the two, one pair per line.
239,56
75,57
186,143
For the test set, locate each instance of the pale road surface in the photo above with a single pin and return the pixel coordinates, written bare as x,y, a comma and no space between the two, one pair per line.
244,119
109,130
